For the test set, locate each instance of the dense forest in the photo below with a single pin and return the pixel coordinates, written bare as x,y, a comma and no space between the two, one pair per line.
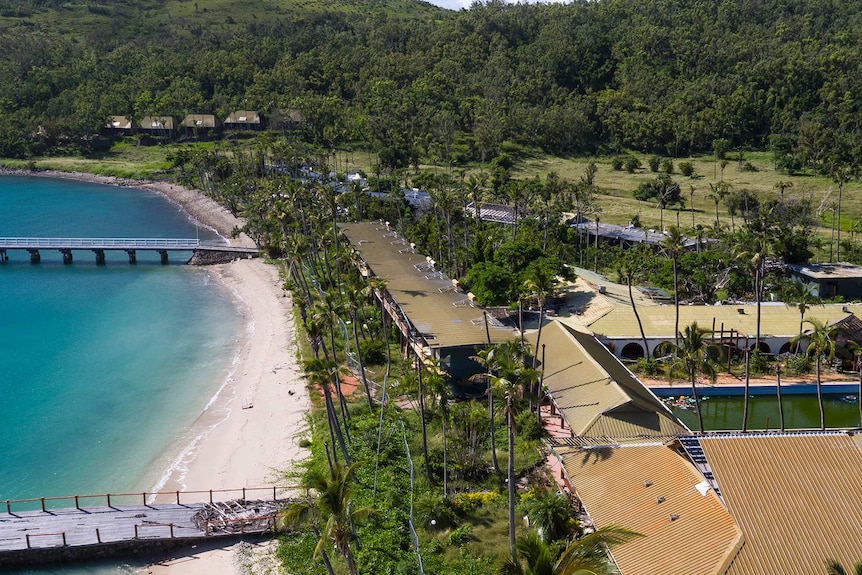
410,80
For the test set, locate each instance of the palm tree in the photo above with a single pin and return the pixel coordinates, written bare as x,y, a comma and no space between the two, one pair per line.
631,263
692,356
673,245
541,282
332,506
584,556
325,373
821,343
551,514
718,193
801,295
835,568
509,373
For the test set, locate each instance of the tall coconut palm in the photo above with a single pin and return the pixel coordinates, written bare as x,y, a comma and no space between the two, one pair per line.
692,357
673,245
324,373
332,506
821,344
510,374
587,555
541,282
718,193
631,263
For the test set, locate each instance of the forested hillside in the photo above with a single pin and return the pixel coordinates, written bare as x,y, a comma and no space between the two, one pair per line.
408,79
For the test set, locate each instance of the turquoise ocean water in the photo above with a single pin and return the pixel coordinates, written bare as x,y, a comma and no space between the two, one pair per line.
103,369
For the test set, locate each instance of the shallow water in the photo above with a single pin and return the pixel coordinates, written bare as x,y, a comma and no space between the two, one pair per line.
103,369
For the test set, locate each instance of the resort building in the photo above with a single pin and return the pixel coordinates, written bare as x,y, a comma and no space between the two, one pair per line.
199,124
436,317
596,394
626,236
604,307
157,125
118,126
248,120
712,504
830,280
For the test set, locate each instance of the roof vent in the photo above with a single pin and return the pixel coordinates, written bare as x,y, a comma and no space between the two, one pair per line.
740,311
674,516
659,499
647,483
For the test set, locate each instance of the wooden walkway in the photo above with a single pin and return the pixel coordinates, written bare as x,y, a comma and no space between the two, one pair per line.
90,526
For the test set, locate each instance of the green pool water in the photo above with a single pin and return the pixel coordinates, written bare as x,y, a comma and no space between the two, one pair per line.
800,412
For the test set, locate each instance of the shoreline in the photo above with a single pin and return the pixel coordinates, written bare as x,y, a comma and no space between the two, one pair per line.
251,426
198,206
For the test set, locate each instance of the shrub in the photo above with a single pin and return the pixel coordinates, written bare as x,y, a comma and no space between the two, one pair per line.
648,366
632,164
433,512
528,426
373,352
799,364
472,500
617,162
654,163
757,362
667,166
461,536
686,169
749,167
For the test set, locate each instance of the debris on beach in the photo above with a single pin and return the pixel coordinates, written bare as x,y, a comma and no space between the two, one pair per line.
237,516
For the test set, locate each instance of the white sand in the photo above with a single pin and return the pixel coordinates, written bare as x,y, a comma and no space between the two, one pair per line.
267,402
259,418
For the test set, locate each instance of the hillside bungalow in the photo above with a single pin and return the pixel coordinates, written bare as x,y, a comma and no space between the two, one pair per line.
118,126
831,280
199,124
157,125
248,120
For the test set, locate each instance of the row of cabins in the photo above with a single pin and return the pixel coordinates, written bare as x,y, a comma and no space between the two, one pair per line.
192,124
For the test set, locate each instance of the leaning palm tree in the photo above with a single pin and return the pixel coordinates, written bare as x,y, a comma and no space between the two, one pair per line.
692,356
584,556
331,505
821,344
631,264
833,567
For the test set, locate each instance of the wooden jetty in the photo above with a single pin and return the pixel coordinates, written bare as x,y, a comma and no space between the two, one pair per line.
210,252
50,530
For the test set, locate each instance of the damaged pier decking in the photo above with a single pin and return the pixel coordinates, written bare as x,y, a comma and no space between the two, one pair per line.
118,526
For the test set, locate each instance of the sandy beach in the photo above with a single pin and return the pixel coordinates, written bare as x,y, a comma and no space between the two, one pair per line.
251,432
266,403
